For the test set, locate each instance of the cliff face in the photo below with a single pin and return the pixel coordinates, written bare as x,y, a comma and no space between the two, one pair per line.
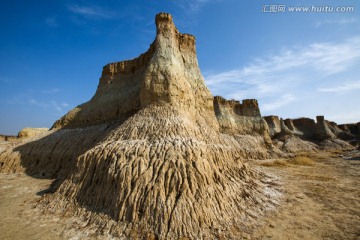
324,133
285,135
273,124
117,95
353,129
145,155
244,122
6,138
324,129
167,73
154,154
240,118
31,132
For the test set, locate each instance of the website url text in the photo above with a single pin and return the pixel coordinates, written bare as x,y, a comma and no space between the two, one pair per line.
271,8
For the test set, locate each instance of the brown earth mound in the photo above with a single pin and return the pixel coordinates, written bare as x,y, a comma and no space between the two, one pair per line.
153,155
145,156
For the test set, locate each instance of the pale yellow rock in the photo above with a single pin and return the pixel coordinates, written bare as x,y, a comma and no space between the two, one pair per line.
31,132
145,156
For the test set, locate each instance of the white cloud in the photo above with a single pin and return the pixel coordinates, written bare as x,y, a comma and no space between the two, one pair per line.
194,5
343,88
278,103
34,102
51,105
58,106
292,74
91,11
293,83
345,117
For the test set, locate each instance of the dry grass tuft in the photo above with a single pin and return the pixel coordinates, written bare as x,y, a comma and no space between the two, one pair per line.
301,160
335,152
275,163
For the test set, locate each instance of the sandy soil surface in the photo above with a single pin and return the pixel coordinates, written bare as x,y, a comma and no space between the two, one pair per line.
19,219
321,201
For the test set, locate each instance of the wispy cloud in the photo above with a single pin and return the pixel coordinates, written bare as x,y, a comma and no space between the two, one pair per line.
40,99
278,103
59,106
194,5
34,102
340,21
52,105
343,88
91,11
49,105
289,74
345,117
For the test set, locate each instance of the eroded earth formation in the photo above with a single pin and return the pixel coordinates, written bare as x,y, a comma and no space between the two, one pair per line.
154,154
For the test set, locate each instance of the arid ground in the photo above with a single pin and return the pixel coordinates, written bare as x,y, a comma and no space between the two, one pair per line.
321,200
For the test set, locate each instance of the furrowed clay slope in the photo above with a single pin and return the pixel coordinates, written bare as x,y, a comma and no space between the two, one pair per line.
146,155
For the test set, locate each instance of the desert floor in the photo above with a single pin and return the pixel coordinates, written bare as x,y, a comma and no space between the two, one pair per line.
321,200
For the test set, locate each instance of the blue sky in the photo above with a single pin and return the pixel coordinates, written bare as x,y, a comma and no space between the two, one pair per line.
295,63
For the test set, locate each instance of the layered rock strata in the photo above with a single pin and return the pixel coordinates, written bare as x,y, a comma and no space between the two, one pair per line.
353,129
240,118
31,132
324,133
244,122
145,156
286,136
273,124
7,138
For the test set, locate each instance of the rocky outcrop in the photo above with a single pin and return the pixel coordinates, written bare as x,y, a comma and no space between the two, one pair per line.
273,124
24,133
307,127
240,118
128,86
323,129
31,132
290,125
117,96
146,156
322,133
285,136
353,129
248,107
244,121
293,144
8,138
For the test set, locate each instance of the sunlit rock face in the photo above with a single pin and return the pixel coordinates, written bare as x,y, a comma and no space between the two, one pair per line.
146,155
